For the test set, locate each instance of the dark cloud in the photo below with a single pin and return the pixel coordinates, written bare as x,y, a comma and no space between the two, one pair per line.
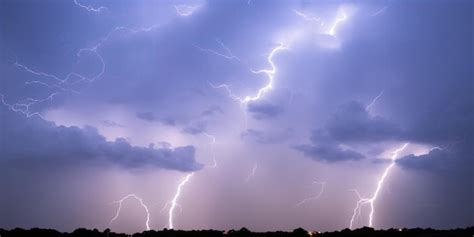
453,160
261,137
110,123
147,116
213,110
264,110
195,128
328,153
151,117
351,122
35,141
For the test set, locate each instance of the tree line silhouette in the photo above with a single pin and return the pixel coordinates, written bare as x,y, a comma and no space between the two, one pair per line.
365,231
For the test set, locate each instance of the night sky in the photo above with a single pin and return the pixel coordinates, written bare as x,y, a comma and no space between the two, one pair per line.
272,115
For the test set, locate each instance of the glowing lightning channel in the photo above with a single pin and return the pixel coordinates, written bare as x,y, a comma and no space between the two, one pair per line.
140,200
317,196
61,84
90,8
270,73
252,174
380,11
308,18
24,105
211,149
373,101
174,201
341,17
436,148
228,53
185,10
370,201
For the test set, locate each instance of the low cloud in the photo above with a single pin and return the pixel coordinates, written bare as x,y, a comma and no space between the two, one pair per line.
35,141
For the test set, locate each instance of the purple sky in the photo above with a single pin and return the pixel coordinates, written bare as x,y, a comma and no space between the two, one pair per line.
280,114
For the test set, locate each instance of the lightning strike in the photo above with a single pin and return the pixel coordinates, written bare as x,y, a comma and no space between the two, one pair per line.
373,101
228,53
90,8
211,149
64,84
174,201
436,148
140,200
252,173
185,10
317,196
308,18
341,17
270,74
23,106
362,201
380,11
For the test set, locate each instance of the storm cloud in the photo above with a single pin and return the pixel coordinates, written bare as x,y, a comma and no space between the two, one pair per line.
37,142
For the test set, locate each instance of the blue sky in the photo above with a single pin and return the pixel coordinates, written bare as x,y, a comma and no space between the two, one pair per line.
261,104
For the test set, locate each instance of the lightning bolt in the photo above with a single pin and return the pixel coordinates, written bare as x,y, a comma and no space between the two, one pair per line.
24,105
269,73
211,149
363,201
436,148
252,173
317,196
174,201
373,101
186,10
90,8
228,53
380,11
64,84
341,17
140,200
308,18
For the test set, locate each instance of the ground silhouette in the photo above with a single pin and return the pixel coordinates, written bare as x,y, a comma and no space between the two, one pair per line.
366,231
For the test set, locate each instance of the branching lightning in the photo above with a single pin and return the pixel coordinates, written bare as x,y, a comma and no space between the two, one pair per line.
380,11
227,55
174,201
252,173
436,148
341,17
24,105
312,19
211,149
140,200
185,10
373,101
63,84
317,196
90,8
363,201
332,28
270,74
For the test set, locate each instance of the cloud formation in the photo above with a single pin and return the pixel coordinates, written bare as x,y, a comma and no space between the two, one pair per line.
328,152
34,141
